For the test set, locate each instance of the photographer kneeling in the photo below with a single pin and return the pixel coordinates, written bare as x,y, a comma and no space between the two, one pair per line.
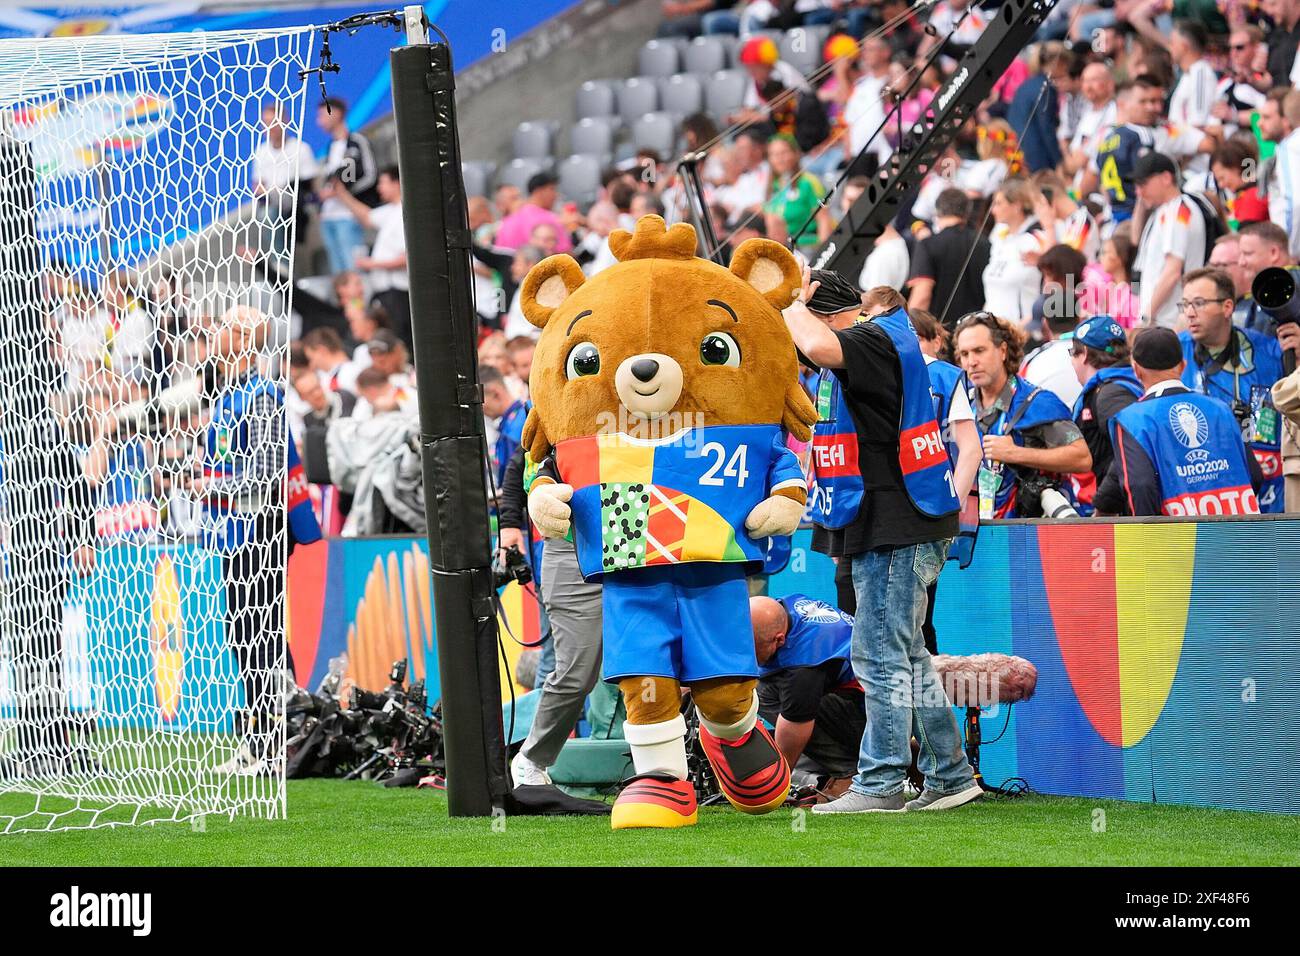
806,687
1029,436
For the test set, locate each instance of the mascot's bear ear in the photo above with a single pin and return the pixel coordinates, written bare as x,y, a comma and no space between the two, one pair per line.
770,268
547,285
534,437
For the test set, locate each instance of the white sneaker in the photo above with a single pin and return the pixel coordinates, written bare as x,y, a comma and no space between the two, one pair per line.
240,761
526,773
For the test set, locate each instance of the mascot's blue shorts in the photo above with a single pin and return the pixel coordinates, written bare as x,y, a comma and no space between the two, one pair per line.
685,621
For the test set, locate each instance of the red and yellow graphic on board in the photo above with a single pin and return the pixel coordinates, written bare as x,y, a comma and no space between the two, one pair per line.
167,638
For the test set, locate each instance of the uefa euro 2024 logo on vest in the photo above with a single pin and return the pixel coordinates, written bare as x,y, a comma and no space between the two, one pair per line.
820,613
1192,429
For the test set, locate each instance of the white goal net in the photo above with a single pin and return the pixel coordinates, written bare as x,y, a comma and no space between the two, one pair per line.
148,199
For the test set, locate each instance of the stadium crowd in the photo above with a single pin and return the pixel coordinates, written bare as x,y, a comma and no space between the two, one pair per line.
1134,166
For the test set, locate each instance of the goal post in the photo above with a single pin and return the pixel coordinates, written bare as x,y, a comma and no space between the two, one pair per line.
148,207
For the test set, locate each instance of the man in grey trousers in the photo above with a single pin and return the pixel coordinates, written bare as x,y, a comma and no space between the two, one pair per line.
573,607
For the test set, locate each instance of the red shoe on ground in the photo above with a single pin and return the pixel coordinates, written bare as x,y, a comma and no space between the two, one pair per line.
751,772
654,800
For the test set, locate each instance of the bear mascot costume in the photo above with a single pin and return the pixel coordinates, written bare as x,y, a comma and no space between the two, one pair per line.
661,388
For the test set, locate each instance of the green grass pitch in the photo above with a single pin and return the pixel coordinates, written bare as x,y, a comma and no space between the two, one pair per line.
332,823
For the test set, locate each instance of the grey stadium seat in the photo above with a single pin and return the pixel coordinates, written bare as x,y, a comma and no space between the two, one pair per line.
801,47
705,55
533,140
580,178
638,96
732,45
681,95
596,98
657,131
725,91
658,58
593,135
518,171
478,176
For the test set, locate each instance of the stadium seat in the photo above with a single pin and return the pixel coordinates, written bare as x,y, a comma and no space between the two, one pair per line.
802,47
658,58
533,140
596,98
681,95
657,131
638,96
478,176
732,45
580,178
593,135
518,171
725,91
705,55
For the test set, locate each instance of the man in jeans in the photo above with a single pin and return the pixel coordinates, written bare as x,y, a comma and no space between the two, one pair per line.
896,537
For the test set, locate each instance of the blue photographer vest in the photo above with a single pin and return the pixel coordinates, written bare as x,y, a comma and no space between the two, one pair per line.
226,446
1194,443
818,633
834,481
945,379
922,457
1260,365
1030,407
1119,374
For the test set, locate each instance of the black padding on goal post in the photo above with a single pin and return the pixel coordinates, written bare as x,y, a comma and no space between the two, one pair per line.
451,426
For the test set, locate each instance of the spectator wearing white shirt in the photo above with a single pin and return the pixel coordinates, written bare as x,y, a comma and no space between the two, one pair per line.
1097,87
1242,88
761,59
749,174
328,359
1193,99
957,25
1279,122
516,325
385,267
864,111
1171,239
279,164
1011,285
1062,219
1051,366
889,263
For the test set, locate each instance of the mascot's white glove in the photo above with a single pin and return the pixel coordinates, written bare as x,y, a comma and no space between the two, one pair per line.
772,516
548,509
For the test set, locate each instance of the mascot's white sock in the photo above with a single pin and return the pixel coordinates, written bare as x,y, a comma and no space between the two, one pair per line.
739,728
658,748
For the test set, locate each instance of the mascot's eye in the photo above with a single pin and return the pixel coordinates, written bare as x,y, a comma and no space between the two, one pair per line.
719,348
583,360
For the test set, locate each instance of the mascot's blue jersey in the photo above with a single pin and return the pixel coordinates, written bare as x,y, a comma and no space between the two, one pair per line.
1195,445
1249,380
638,503
818,633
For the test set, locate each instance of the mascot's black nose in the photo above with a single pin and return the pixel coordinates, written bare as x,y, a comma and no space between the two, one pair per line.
645,369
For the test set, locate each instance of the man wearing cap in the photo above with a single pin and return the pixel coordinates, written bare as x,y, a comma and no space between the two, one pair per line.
388,354
1100,354
516,228
1169,229
882,491
762,61
1238,367
1178,452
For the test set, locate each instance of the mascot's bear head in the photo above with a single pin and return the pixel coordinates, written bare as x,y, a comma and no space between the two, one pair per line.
663,333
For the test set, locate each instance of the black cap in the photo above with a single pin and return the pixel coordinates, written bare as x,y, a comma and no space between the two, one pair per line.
834,294
1157,349
540,180
1148,164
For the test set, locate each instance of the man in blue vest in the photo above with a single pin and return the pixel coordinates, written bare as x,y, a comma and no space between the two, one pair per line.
1178,452
247,495
885,450
1238,367
1029,435
806,688
1100,353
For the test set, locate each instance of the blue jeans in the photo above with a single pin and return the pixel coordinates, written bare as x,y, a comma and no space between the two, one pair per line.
341,238
904,695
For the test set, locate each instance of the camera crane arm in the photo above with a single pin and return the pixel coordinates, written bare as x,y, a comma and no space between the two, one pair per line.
1010,31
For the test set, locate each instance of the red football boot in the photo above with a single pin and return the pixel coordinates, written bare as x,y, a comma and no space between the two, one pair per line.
655,800
751,772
